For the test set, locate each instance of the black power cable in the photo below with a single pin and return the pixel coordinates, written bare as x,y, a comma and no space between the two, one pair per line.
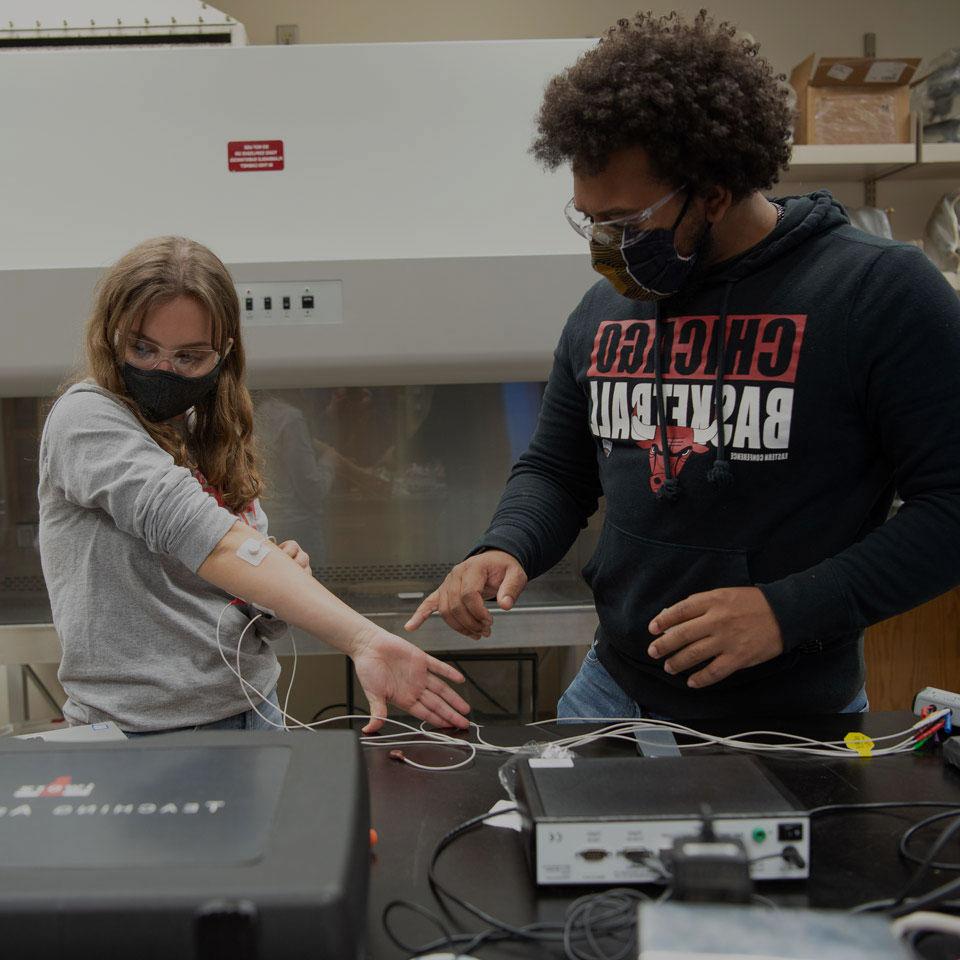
329,706
447,940
937,896
610,917
929,862
596,927
439,890
900,905
481,690
881,806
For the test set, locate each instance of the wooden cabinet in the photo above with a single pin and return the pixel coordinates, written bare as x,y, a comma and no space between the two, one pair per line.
917,649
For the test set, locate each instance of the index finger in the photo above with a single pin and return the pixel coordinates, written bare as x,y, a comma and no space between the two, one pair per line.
423,612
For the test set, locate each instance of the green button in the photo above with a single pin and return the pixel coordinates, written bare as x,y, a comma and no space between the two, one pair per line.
759,835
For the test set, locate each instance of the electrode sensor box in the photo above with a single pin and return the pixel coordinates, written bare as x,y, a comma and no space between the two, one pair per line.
599,820
937,699
200,846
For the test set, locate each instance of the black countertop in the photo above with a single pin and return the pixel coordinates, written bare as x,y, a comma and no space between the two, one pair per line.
854,855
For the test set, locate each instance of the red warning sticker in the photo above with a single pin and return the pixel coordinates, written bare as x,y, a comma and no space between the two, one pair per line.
243,155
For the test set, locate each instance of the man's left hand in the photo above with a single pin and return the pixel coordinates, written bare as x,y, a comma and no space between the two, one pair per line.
727,629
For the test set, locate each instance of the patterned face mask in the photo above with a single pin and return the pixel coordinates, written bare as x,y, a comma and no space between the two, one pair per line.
648,268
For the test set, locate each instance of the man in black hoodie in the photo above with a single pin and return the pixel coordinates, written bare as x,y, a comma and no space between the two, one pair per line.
747,386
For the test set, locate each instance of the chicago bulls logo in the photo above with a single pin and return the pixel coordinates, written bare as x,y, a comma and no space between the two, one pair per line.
681,444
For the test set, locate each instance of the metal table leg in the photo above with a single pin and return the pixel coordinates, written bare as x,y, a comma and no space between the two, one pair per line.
16,678
349,693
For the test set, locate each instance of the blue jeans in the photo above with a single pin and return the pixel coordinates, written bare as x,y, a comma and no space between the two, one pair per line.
248,720
594,693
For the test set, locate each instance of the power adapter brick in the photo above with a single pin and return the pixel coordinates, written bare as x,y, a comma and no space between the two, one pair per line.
710,869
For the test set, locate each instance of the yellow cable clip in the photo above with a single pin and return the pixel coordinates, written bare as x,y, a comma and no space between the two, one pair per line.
859,742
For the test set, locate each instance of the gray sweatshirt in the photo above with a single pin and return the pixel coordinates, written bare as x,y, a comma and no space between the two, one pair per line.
123,530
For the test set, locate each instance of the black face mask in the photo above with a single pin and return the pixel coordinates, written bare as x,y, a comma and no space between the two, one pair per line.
651,268
161,394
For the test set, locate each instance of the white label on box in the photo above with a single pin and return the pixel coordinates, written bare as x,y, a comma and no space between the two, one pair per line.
885,71
541,763
839,71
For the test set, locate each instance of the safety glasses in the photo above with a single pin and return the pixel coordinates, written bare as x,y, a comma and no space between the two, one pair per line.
622,232
187,361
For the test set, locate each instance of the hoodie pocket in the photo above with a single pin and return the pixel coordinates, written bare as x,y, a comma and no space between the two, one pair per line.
634,578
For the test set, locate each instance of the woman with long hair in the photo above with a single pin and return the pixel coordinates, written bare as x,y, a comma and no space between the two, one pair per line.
152,538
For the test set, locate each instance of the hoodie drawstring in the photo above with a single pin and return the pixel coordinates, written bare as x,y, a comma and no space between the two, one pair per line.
720,472
670,486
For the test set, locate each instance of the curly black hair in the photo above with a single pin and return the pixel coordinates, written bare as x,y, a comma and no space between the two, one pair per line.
705,106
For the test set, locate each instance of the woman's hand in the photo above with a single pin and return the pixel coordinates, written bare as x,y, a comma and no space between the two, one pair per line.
293,549
391,670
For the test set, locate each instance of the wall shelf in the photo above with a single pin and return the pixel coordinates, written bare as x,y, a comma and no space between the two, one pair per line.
936,161
828,162
862,162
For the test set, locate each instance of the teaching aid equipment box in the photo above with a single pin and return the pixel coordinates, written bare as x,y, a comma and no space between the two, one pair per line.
198,846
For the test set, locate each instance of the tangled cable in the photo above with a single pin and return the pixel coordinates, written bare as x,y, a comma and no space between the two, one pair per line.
625,729
597,927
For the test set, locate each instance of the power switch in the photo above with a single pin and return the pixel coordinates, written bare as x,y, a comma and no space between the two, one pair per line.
787,832
248,303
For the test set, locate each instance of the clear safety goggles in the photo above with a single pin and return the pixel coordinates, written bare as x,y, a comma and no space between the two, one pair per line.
187,361
622,232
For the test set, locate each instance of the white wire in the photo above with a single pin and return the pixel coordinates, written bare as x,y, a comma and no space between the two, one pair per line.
481,744
925,921
293,676
633,721
730,743
429,736
620,728
617,728
838,748
371,742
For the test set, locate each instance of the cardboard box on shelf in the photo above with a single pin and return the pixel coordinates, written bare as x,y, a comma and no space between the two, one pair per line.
853,99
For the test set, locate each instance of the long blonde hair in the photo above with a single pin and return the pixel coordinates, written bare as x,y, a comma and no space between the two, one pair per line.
154,273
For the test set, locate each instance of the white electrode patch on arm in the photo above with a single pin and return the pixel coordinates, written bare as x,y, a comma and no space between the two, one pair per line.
253,551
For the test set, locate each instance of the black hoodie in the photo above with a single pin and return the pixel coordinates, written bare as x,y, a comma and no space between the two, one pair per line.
838,386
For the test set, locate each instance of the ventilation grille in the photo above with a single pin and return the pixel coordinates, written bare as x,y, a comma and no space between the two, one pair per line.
390,573
134,40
